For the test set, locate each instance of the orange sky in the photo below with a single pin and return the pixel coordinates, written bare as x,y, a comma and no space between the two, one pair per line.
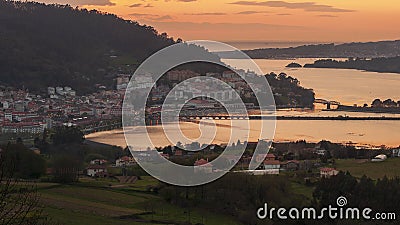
231,20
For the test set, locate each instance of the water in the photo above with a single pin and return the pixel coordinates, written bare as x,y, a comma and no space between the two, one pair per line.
346,86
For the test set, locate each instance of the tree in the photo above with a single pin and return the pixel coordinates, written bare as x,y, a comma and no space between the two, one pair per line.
67,135
168,150
377,103
65,168
21,199
26,164
389,103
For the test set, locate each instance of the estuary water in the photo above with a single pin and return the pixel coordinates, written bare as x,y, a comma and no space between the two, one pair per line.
349,87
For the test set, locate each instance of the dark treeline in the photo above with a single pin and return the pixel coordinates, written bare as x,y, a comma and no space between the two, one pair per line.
362,50
238,195
48,45
381,196
288,92
302,150
20,200
63,153
385,65
388,103
23,162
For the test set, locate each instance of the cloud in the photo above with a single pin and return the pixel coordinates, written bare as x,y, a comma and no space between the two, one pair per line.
151,17
135,5
226,26
207,14
96,2
251,12
80,2
179,0
328,16
283,14
162,18
306,6
140,14
229,31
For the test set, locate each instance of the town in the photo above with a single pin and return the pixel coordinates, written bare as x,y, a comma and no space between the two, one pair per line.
27,113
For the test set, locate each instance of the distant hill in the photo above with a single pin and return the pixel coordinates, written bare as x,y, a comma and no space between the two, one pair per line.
57,45
355,50
48,45
387,65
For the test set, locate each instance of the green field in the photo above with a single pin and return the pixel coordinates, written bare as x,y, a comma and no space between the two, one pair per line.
98,203
105,201
374,170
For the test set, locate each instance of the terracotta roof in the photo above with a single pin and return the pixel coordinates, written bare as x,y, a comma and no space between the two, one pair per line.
327,169
270,155
272,162
202,162
125,158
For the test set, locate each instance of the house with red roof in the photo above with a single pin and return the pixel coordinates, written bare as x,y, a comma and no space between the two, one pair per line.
125,161
96,171
270,156
202,166
327,172
272,166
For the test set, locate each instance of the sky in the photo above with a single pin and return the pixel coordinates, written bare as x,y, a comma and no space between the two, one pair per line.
260,21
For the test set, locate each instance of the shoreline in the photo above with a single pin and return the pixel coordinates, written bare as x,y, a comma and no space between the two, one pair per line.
357,145
346,137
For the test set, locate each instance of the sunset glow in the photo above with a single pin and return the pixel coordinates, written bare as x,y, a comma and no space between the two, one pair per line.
230,20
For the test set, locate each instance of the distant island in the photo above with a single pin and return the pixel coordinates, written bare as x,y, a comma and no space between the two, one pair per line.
355,50
383,65
294,65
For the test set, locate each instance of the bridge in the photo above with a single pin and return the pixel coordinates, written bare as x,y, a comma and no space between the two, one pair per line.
326,102
262,117
216,117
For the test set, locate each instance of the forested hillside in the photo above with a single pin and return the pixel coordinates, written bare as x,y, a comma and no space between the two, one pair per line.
44,45
385,65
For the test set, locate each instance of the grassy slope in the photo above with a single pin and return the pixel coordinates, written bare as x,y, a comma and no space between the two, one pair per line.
95,203
375,170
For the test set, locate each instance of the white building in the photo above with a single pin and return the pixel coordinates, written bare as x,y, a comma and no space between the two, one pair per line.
51,90
96,171
379,158
202,166
125,161
122,81
272,166
5,105
60,90
328,172
29,127
143,81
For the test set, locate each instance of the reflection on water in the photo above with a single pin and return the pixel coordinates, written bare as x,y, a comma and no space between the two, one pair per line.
374,133
346,86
